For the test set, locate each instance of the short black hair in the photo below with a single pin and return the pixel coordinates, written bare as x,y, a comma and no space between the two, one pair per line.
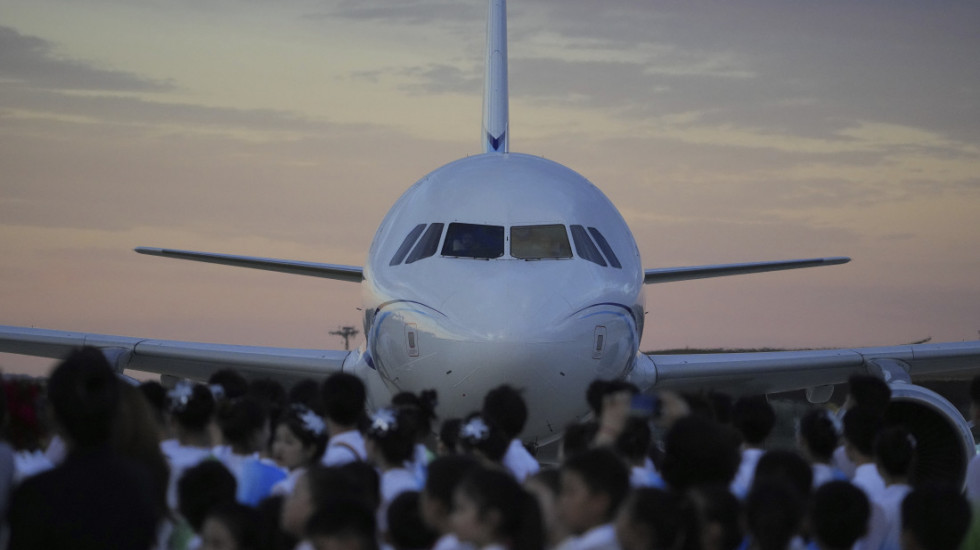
861,426
344,518
754,418
819,433
635,439
773,513
668,519
240,419
505,407
603,473
937,517
699,451
894,450
196,411
839,514
449,434
243,522
344,397
84,393
444,474
406,529
201,488
786,466
869,391
578,437
232,383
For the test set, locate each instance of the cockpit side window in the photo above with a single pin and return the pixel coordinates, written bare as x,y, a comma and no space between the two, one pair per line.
534,242
606,249
406,245
467,240
584,246
427,245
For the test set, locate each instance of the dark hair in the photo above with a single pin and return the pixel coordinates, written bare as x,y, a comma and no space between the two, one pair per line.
698,451
894,450
449,434
936,517
635,439
754,418
870,392
773,513
861,426
405,526
505,407
578,437
273,536
134,436
307,392
156,396
240,419
444,474
344,518
393,431
327,483
201,488
667,518
785,466
839,514
520,518
191,405
343,398
716,504
307,427
819,433
425,402
232,383
271,394
599,389
84,394
603,473
478,433
243,522
367,480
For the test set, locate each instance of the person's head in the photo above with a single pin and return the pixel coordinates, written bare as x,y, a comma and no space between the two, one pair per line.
578,437
894,451
442,477
201,488
342,524
191,406
425,405
84,394
505,407
313,490
233,385
244,424
698,451
817,435
861,426
868,391
785,466
390,437
653,519
773,514
307,392
271,394
343,397
719,516
754,418
839,514
634,441
299,439
231,526
490,507
449,437
934,518
593,485
406,530
480,437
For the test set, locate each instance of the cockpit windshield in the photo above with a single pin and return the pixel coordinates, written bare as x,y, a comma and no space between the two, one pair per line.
467,240
535,242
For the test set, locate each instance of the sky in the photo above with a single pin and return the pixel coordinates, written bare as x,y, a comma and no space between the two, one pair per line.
723,131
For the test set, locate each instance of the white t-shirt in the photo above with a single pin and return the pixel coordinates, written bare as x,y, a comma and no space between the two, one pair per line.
519,461
746,472
891,503
181,458
344,448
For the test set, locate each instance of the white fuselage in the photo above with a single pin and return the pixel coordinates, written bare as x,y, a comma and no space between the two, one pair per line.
502,291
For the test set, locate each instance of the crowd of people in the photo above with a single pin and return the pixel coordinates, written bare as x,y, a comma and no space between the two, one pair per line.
91,460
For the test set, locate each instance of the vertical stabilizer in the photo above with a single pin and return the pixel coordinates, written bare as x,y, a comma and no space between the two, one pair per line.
495,109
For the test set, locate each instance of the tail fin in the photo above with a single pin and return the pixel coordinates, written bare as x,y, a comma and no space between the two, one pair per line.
495,103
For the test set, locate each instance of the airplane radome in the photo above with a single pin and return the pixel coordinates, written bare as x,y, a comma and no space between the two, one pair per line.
509,268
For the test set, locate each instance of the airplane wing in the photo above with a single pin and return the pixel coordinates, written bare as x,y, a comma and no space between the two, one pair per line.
312,269
770,372
196,361
671,274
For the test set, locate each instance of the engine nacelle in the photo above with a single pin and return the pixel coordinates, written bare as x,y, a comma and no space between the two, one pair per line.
944,443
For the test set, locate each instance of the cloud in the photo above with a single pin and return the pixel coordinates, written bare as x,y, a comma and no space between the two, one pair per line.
33,61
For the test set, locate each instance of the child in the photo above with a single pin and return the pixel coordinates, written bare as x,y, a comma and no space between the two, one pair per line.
191,409
344,397
436,500
652,518
839,514
245,428
894,452
390,445
297,444
593,485
231,526
490,510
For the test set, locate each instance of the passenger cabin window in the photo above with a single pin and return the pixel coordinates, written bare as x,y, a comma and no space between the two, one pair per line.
584,246
535,242
606,249
427,245
406,245
467,240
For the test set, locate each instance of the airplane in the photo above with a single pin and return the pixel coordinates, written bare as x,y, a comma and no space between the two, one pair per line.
509,268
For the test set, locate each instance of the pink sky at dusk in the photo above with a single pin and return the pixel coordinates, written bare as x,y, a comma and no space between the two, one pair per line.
724,133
